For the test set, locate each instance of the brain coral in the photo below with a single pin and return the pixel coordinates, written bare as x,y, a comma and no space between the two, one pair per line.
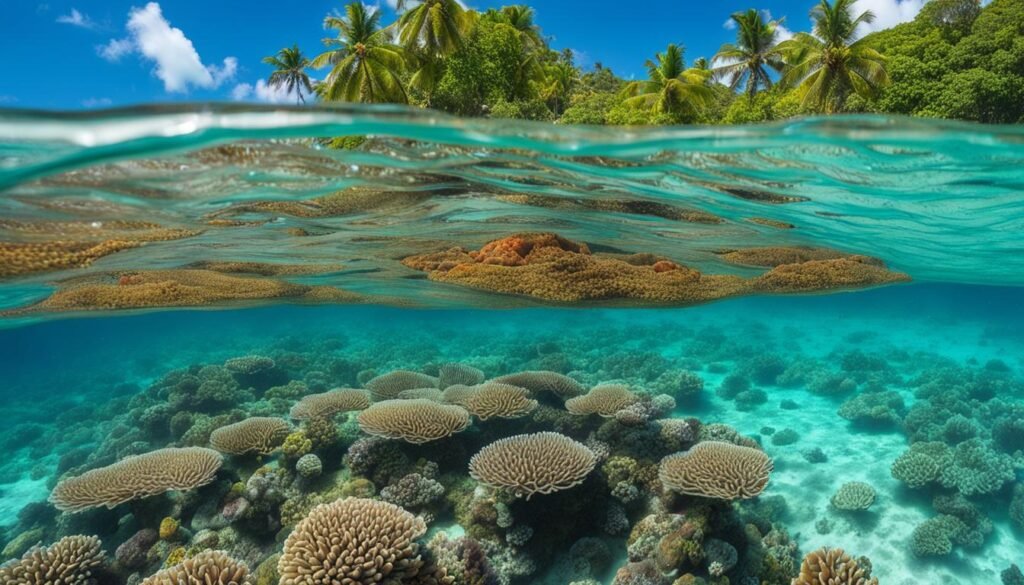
832,566
714,469
538,381
354,541
499,400
387,386
69,561
417,421
539,463
257,434
330,403
138,476
604,400
854,495
210,567
451,374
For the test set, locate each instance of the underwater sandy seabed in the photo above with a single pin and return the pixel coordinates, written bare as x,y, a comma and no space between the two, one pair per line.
778,370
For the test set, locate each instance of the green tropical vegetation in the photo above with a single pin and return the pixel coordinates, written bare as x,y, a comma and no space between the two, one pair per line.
956,59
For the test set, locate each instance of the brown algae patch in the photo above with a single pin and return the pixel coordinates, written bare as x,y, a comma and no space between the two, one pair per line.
772,223
626,206
345,202
552,268
772,256
177,288
73,244
264,268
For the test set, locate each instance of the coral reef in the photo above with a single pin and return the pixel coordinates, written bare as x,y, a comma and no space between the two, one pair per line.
853,496
364,540
71,560
540,463
714,469
258,434
327,404
205,568
416,421
835,567
138,476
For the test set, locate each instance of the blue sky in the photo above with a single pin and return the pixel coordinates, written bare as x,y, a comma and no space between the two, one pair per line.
102,53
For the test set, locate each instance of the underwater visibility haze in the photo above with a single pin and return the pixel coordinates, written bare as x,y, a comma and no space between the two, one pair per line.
474,351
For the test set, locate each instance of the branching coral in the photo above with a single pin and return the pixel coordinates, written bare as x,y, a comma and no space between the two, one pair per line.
832,566
604,400
69,561
327,404
714,469
416,421
540,463
211,567
355,541
138,476
854,495
258,434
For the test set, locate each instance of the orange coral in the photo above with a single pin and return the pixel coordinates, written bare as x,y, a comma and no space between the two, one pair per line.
549,267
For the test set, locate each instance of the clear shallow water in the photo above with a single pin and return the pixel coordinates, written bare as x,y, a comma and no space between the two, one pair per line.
942,202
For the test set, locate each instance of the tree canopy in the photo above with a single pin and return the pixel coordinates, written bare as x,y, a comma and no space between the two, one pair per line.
956,59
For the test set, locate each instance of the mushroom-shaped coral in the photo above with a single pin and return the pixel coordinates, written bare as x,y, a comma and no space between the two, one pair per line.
329,403
138,476
539,463
69,561
355,541
427,393
604,400
416,421
854,495
451,374
387,386
210,567
832,566
458,394
257,434
538,381
713,469
499,400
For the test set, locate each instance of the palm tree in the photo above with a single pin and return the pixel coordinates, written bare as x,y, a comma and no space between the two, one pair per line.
365,66
290,72
830,65
670,88
557,82
520,17
755,52
434,27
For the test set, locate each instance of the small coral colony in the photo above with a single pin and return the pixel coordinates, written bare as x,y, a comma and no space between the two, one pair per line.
259,471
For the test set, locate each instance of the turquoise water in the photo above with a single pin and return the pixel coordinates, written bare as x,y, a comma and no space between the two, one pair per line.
834,387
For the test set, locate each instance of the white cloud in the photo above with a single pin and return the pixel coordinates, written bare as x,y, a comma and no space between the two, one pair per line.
781,32
262,92
96,102
115,49
729,24
177,62
76,18
888,13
